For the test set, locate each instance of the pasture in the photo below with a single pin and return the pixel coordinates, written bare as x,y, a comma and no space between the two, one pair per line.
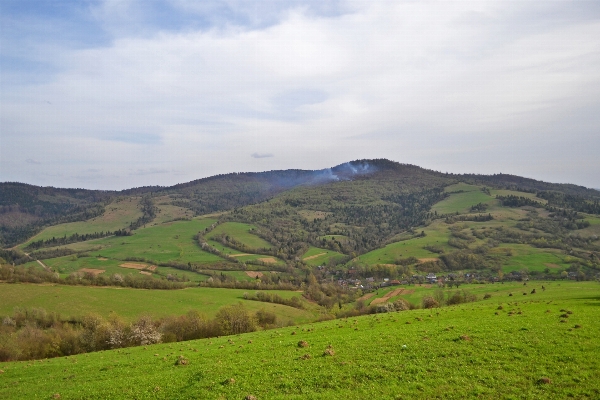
523,347
315,256
130,303
118,215
461,202
173,241
240,232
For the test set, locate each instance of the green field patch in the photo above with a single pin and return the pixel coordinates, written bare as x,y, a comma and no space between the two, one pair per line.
131,303
241,233
172,241
436,234
245,257
118,215
503,347
461,202
504,192
317,256
168,212
525,257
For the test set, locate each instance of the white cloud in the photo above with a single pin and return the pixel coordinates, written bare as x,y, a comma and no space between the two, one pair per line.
412,81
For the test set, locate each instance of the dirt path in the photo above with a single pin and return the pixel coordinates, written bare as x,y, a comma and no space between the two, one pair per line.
47,268
313,257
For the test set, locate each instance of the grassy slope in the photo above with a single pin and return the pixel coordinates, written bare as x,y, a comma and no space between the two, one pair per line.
66,265
324,256
240,232
413,354
461,202
131,303
117,215
167,242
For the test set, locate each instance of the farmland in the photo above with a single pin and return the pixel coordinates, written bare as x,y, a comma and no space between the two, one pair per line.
508,347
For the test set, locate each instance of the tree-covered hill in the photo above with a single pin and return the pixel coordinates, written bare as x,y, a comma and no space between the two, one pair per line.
367,201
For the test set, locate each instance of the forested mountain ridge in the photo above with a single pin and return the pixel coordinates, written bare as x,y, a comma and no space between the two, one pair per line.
379,196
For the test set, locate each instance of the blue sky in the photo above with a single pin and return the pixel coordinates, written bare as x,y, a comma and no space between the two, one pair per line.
124,93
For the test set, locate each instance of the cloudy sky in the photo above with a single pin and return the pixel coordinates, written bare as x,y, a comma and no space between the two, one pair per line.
123,93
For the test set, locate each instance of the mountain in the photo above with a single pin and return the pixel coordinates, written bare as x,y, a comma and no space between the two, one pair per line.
384,187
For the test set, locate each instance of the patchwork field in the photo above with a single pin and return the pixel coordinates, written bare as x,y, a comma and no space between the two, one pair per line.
541,346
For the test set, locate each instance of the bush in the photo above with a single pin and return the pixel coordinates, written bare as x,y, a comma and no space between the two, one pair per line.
430,302
235,319
265,318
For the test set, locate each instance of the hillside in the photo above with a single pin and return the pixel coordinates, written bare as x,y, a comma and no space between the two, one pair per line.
542,345
377,217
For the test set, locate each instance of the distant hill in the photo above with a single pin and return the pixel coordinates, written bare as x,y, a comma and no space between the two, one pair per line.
386,187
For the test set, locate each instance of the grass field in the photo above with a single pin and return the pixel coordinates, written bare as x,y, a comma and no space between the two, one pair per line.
68,264
241,233
503,347
118,215
532,258
316,256
172,241
461,202
131,303
244,257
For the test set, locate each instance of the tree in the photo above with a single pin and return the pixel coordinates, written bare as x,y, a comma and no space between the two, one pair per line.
235,319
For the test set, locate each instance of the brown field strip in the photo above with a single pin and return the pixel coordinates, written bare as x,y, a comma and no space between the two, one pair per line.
92,271
550,265
240,255
366,296
313,257
102,258
138,266
146,273
389,295
422,260
254,274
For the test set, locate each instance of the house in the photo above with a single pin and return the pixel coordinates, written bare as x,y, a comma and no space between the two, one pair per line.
431,278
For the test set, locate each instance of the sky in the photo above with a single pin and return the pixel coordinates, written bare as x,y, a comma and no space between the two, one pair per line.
125,93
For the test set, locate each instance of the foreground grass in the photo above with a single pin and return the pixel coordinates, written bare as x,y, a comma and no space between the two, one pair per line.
521,351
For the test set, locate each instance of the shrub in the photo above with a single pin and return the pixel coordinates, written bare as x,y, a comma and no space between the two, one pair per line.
430,302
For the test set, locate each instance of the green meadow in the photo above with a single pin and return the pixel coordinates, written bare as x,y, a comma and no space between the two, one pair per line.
118,215
69,264
461,202
241,233
538,346
131,303
315,256
530,258
173,241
